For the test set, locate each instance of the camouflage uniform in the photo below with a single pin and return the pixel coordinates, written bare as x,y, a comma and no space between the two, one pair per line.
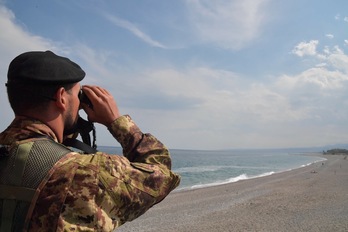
94,192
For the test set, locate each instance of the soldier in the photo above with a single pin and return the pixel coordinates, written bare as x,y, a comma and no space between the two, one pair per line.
47,186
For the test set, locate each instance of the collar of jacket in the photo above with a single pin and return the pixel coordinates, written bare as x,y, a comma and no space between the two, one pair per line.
23,128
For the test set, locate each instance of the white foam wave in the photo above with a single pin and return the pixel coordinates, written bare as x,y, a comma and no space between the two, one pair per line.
230,180
198,169
213,168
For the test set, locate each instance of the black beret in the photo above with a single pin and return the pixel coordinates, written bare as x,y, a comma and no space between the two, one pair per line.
43,68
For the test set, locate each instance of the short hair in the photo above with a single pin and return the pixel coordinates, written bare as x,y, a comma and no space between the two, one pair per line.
25,96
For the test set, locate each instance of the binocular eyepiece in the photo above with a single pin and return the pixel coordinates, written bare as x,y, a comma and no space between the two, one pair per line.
84,99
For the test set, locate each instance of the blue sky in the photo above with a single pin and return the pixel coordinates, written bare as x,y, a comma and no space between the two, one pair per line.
200,74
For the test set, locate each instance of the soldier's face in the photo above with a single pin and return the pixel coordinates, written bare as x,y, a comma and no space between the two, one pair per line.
73,108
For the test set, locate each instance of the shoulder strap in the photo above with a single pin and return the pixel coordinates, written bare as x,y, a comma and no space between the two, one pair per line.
15,192
70,142
83,128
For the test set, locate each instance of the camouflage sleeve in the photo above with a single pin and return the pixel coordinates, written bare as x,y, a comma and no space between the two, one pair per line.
146,173
139,147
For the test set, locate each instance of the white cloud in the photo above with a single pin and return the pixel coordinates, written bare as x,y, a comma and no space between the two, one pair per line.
330,73
330,36
228,24
318,78
213,108
306,49
326,50
233,104
334,58
227,104
134,30
338,61
94,63
14,39
17,40
285,111
320,65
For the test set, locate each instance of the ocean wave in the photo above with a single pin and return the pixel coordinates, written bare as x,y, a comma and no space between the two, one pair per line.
199,169
230,180
317,161
243,176
212,169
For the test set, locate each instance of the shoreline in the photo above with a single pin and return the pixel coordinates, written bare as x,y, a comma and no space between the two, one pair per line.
310,198
215,184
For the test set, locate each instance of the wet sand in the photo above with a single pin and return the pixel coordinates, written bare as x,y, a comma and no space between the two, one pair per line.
312,198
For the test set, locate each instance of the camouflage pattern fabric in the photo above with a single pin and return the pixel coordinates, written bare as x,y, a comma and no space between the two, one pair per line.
97,192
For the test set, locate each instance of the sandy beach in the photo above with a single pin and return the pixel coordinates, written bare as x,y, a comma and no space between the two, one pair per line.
312,198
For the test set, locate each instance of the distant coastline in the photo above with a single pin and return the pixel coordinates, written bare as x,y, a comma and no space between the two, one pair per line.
336,151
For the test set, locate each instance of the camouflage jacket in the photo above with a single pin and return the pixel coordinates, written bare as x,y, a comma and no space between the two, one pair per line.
97,192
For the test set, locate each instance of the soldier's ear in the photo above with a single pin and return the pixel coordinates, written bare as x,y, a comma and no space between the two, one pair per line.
61,96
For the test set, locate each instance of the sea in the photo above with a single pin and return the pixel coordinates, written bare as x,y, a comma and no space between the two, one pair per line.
203,168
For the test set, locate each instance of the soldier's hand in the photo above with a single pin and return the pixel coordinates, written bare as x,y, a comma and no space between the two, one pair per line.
105,109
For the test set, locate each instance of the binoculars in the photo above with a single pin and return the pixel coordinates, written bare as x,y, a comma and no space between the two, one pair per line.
84,99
